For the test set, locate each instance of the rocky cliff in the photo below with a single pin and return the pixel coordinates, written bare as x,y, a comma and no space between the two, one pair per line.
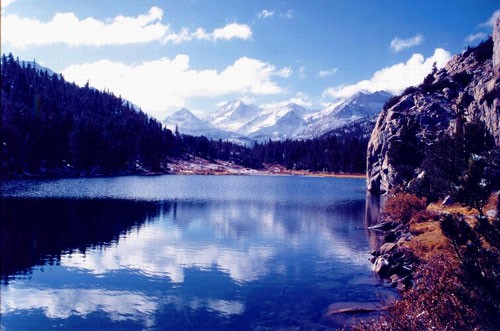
467,90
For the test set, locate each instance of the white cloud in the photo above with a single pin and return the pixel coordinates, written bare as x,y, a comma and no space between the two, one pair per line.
179,37
164,85
265,13
6,3
300,99
398,45
285,72
491,21
67,28
396,78
233,30
228,32
328,72
475,37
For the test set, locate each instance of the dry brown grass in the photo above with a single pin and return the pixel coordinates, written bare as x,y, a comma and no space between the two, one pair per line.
457,284
429,240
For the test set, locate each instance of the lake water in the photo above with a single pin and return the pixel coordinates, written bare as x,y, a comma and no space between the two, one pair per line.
183,253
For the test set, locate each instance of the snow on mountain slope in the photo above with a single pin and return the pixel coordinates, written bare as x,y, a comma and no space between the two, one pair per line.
285,127
188,123
275,122
237,121
233,115
360,105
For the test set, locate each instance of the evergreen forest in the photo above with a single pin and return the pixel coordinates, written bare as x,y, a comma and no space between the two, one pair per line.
54,128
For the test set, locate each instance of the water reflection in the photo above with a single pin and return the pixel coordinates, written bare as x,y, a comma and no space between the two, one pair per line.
181,264
65,303
39,231
237,239
373,210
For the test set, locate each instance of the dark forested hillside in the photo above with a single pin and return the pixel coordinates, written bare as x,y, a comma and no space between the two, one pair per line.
50,127
341,150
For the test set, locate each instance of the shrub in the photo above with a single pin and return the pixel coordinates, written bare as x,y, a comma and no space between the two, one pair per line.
410,90
391,102
402,206
439,300
451,293
463,78
482,52
474,189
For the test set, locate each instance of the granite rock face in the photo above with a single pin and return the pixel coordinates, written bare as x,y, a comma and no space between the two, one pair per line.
466,90
496,46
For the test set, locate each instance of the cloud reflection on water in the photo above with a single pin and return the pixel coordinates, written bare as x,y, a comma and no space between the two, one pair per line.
64,303
238,239
199,255
117,305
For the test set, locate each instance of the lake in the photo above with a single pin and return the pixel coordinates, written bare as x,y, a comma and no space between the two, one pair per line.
183,252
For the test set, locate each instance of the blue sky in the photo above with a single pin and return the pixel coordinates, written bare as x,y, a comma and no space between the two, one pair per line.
165,55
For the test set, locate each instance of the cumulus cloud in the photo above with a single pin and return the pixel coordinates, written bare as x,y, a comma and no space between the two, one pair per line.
228,32
265,13
396,78
233,30
165,84
475,37
328,72
398,45
491,21
68,29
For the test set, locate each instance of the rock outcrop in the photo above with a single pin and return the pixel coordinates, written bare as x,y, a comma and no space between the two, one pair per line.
496,46
467,90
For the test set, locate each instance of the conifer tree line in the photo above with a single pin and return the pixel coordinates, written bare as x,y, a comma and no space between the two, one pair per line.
51,127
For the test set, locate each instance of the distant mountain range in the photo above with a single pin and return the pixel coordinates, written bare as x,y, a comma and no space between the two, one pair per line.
188,123
243,123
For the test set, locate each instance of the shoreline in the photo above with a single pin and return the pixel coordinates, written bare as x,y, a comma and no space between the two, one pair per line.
178,166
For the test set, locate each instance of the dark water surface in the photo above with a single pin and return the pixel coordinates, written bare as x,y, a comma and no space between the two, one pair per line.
182,252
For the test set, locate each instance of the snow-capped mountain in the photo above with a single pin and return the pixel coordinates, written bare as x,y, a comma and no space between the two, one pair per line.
188,123
359,105
237,121
276,122
285,127
232,116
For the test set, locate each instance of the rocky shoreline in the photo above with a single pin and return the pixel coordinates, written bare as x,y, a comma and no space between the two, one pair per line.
392,261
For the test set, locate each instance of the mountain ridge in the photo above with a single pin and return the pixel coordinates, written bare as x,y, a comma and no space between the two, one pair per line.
282,121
